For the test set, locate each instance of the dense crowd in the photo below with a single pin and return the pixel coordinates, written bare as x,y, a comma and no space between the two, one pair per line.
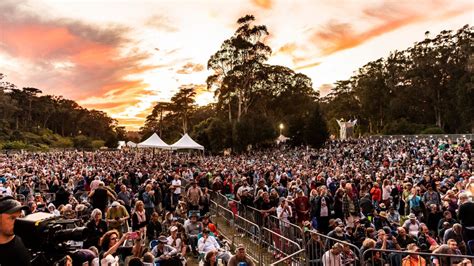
143,207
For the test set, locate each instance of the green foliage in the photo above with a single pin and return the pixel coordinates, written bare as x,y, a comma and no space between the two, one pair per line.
253,98
432,130
63,143
14,145
82,142
36,119
97,144
427,84
315,132
402,126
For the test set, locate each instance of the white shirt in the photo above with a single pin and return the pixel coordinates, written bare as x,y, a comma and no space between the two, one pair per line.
209,244
330,259
177,244
177,184
283,215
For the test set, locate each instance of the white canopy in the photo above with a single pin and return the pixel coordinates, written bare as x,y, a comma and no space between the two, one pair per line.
121,144
131,144
186,142
153,142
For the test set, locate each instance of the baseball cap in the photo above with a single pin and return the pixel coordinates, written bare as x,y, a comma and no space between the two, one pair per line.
9,205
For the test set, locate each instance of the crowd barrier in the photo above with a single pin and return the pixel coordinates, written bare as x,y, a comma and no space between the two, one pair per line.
266,238
287,229
271,241
279,246
292,259
318,244
374,257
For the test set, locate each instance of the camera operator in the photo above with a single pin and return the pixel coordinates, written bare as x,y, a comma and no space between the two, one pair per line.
12,249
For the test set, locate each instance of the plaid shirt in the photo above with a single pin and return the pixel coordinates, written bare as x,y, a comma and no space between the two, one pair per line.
346,203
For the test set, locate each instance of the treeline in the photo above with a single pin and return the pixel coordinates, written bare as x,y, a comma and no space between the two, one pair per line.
427,88
253,99
29,120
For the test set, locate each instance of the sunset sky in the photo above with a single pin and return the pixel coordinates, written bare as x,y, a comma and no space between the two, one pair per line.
122,56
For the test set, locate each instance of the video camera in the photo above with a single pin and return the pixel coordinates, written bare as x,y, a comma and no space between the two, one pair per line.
48,237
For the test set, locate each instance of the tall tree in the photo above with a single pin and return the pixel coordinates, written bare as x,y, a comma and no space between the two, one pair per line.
236,65
183,102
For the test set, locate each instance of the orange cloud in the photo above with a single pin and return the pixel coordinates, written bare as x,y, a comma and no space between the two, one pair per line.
336,36
325,89
190,68
266,4
78,61
307,66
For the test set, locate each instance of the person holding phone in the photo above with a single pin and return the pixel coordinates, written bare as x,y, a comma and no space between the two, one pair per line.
117,217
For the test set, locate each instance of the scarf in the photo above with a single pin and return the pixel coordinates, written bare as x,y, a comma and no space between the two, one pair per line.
141,216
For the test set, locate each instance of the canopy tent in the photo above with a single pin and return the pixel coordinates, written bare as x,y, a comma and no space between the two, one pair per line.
186,142
281,139
131,144
121,144
153,142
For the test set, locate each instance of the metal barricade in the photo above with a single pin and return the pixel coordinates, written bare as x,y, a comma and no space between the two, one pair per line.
277,245
213,208
292,259
317,244
248,234
397,257
287,229
221,199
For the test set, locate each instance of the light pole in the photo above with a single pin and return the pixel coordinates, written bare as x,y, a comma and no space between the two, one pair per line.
281,127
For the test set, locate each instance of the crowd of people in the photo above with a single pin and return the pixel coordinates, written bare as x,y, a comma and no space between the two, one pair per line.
144,207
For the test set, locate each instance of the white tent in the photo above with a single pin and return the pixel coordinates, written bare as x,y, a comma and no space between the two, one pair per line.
131,144
121,144
186,142
153,142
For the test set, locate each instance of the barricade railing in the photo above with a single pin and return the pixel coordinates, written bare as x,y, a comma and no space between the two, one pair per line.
250,232
213,208
221,199
287,229
279,245
397,257
293,259
317,244
267,239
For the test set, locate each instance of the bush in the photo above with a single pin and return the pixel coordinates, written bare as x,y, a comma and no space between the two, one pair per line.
432,130
43,147
97,144
82,142
14,145
401,126
32,138
63,143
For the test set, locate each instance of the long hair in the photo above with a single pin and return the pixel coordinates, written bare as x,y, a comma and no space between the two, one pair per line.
105,239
